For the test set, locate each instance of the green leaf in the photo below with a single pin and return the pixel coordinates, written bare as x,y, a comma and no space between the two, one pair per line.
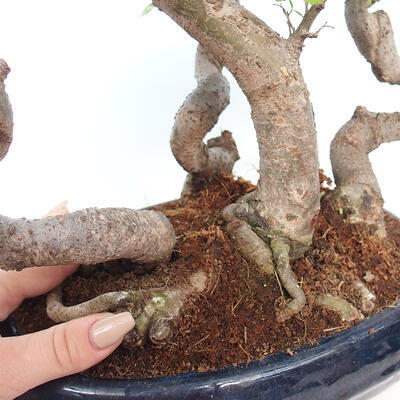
147,9
314,2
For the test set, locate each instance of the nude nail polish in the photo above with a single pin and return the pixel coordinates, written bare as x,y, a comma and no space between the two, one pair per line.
110,330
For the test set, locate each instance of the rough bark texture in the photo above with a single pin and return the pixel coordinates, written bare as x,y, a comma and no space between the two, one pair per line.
88,236
197,116
268,71
373,35
6,116
357,191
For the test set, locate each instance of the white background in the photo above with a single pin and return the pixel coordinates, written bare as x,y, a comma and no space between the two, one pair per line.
95,88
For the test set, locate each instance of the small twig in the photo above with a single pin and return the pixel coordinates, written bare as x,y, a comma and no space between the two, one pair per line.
287,15
279,283
249,356
198,342
313,35
226,190
233,308
245,335
333,329
216,282
326,232
303,29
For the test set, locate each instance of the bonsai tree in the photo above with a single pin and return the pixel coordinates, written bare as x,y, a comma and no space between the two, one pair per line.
274,224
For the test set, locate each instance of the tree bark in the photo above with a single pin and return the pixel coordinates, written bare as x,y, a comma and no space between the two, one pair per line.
87,236
373,35
357,190
197,116
268,71
6,115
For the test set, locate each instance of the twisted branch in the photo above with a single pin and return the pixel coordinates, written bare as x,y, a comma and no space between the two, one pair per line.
357,190
6,116
87,236
197,116
373,35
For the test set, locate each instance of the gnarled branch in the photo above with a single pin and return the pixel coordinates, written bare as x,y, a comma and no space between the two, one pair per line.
357,190
87,236
6,115
197,116
373,35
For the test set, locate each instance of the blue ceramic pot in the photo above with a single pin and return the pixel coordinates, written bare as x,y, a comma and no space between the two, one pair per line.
337,367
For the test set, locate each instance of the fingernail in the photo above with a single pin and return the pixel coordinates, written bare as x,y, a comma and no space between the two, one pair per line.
111,330
59,209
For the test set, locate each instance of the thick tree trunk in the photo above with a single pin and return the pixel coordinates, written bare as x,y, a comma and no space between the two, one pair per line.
86,237
267,69
373,35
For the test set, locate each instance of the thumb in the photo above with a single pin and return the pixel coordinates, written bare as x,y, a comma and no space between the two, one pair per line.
30,360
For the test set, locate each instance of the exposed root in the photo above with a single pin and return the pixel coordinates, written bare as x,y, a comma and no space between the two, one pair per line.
111,301
249,243
367,297
255,245
153,309
347,311
280,250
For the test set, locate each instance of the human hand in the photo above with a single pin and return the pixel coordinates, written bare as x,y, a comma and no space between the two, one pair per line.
30,360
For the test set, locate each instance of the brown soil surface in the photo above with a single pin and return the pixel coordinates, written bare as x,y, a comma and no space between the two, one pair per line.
236,321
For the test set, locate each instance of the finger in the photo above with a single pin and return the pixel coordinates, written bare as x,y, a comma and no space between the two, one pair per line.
59,209
30,360
18,285
15,286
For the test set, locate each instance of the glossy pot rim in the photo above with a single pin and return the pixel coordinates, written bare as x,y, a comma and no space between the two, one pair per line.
336,367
